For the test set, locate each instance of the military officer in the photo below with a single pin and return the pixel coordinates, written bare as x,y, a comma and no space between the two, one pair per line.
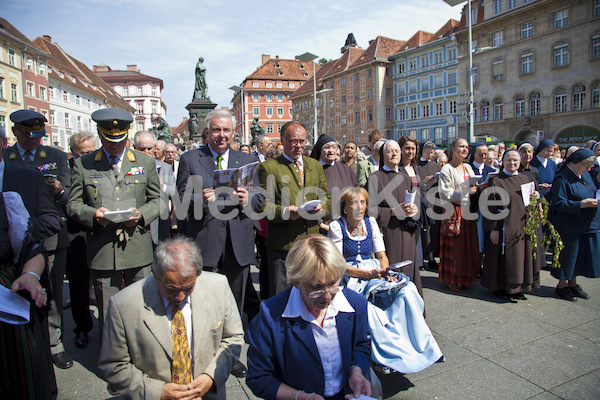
29,127
111,179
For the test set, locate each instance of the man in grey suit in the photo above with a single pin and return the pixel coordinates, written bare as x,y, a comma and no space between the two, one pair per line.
227,244
160,228
28,152
142,354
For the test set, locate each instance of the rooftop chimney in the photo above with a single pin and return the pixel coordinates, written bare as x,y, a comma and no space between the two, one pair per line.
132,68
265,58
48,38
350,42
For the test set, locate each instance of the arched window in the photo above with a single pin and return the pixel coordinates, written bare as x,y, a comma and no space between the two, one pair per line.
485,111
519,106
498,109
534,103
578,97
560,100
596,95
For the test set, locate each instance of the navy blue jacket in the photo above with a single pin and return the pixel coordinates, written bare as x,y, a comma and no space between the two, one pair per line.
486,170
283,350
546,173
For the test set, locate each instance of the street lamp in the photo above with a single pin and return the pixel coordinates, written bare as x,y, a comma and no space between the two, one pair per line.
307,57
236,89
453,3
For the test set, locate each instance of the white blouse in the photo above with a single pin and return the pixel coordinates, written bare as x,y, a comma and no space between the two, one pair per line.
451,186
335,234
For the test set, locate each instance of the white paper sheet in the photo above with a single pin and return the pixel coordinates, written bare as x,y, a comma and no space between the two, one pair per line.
310,205
14,309
490,176
526,190
398,266
118,216
409,197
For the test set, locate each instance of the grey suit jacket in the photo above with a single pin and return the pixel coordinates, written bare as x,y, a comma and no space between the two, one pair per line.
137,350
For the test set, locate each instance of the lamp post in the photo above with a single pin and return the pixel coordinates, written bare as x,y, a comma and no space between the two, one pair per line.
240,89
307,57
453,3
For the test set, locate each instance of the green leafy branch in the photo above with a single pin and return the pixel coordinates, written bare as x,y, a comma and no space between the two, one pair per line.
537,216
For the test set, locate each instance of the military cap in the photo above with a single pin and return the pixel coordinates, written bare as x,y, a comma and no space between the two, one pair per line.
112,123
30,121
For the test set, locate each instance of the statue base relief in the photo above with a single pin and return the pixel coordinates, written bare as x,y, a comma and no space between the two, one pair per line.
197,110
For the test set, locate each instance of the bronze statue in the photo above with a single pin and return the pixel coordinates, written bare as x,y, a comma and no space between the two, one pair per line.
162,131
200,88
256,129
193,127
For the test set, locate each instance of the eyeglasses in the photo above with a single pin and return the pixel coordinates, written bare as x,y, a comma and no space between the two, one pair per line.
320,293
294,142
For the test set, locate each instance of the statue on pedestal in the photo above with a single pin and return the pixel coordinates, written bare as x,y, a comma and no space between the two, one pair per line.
200,88
193,126
162,131
256,130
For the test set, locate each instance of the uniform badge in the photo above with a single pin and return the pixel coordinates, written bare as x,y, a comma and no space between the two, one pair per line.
43,154
47,167
95,192
98,156
12,155
136,171
131,156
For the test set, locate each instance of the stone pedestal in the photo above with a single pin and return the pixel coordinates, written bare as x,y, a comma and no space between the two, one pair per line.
198,109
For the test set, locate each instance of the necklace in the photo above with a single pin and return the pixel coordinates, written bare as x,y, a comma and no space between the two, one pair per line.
357,232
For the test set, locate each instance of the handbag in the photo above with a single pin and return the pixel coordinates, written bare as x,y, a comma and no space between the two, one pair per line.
451,227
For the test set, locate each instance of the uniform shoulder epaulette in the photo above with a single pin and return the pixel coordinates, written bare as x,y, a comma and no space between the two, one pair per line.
12,155
42,153
98,156
130,155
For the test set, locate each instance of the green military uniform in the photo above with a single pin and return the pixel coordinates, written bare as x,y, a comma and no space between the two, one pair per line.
114,250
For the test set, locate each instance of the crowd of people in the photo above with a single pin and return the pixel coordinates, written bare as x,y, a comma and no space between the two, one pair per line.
340,235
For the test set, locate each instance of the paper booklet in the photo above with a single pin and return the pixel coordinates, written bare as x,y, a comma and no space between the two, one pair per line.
398,266
310,205
14,309
474,180
490,176
526,190
409,197
235,177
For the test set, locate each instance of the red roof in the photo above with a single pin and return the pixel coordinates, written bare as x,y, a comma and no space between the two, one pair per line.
308,86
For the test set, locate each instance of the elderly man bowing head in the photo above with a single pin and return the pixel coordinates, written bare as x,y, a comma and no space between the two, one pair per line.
175,334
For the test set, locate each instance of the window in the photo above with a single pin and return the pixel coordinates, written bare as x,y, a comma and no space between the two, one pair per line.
412,133
255,96
437,132
140,126
401,114
519,106
254,84
451,54
370,114
424,61
140,107
412,65
485,110
561,55
388,71
1,86
343,81
278,84
473,15
52,118
578,97
425,111
356,96
401,68
269,128
475,74
413,112
3,120
356,77
279,126
14,96
256,110
30,90
306,104
438,80
510,4
369,93
452,107
527,63
280,112
331,103
268,97
41,67
412,86
534,104
296,108
78,122
65,96
78,100
356,117
560,100
269,111
344,99
42,93
291,85
67,120
388,92
498,70
498,109
269,84
343,119
139,91
596,46
369,72
279,97
11,57
125,91
29,63
437,58
474,45
561,19
89,104
51,92
154,108
497,39
526,30
438,109
425,84
497,7
388,114
451,132
153,91
452,79
596,8
596,95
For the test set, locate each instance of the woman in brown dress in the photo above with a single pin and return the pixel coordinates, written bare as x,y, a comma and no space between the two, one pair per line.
459,255
509,269
399,228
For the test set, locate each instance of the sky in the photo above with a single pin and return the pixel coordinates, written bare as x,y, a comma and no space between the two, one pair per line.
165,38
